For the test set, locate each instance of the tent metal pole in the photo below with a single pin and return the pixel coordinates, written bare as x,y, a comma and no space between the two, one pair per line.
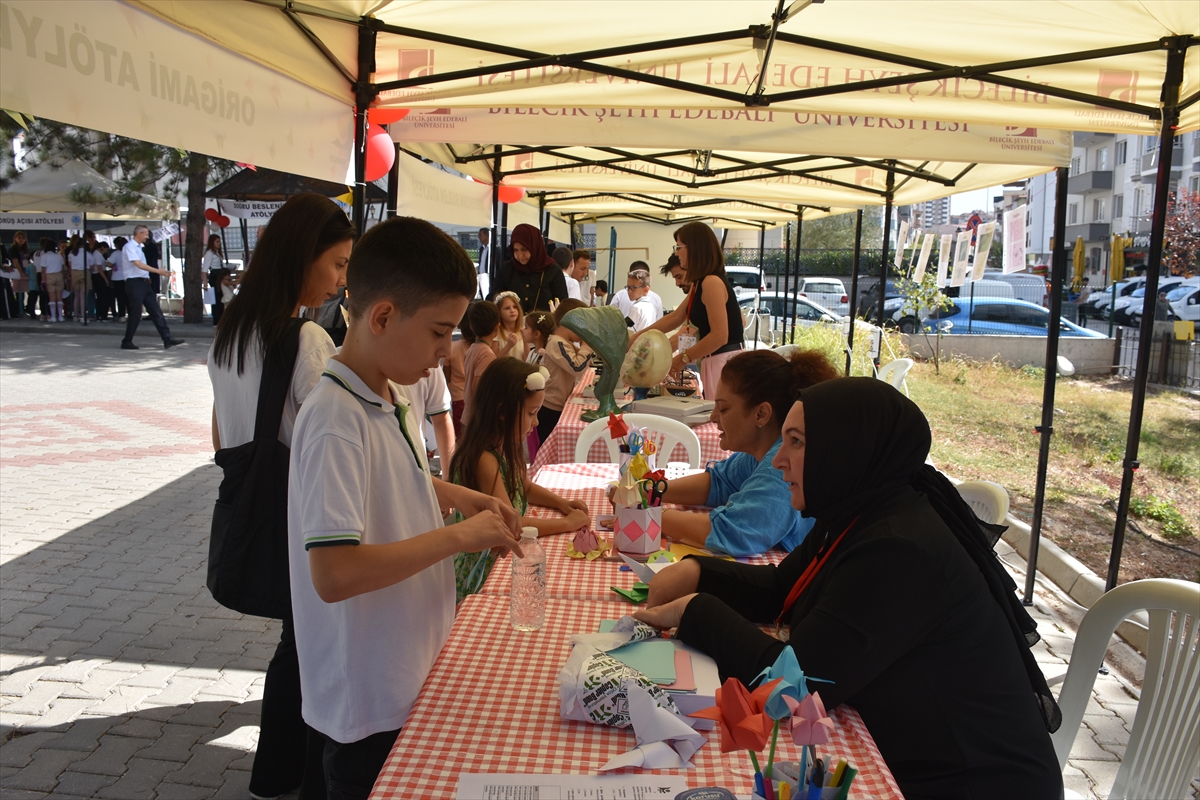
1058,273
887,240
574,242
851,310
245,242
503,229
762,242
777,286
796,280
87,275
497,248
543,222
1170,101
364,93
393,194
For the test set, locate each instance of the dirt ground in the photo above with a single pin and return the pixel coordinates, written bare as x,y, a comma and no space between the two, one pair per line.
983,417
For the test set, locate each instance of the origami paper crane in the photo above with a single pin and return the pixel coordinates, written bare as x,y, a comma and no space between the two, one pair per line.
744,726
809,723
665,740
791,683
617,428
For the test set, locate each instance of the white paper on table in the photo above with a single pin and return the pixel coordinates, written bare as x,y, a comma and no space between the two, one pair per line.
983,244
625,631
962,250
665,740
926,249
495,786
645,572
943,259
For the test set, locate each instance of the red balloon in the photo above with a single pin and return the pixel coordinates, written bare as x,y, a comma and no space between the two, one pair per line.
386,116
211,214
223,221
511,194
381,153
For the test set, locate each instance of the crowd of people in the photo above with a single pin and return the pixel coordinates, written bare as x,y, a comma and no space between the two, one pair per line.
890,588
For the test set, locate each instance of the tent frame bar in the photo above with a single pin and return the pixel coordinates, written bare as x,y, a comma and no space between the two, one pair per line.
316,42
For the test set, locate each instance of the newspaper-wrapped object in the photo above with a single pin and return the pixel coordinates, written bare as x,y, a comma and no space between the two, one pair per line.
594,687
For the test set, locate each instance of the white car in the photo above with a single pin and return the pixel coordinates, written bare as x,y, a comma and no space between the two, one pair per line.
1185,304
746,281
774,309
827,292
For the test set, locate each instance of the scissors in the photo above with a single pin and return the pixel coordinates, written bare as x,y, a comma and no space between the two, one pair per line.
655,491
636,442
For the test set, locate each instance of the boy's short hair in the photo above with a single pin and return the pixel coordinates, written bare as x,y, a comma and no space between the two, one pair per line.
602,286
639,265
570,304
409,262
562,257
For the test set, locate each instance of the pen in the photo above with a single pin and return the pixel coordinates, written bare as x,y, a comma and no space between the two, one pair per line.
814,787
837,773
769,788
847,777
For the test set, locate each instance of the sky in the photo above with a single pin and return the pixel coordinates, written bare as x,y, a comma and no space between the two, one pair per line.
977,199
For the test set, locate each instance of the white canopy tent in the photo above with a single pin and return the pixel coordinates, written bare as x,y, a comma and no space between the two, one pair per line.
65,187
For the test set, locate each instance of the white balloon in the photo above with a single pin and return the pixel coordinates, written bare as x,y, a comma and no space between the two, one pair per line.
648,361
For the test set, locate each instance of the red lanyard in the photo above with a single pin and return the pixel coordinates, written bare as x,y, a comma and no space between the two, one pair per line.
691,298
810,572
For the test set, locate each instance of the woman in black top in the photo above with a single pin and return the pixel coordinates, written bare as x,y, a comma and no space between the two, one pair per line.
896,597
709,321
533,275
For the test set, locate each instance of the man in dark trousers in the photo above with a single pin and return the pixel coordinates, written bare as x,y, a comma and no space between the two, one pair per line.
136,274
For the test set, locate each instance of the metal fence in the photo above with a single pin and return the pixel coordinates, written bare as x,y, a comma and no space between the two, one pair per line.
1173,362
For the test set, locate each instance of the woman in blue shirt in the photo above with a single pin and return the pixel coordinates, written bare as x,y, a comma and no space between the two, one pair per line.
751,505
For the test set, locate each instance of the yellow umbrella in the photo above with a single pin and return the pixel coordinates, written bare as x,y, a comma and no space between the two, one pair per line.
1117,271
1080,260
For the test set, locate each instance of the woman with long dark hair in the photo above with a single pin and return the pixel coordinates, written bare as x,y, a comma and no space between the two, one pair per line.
300,261
531,273
709,322
896,598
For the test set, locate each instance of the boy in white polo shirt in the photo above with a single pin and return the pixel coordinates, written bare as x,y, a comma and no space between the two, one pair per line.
371,565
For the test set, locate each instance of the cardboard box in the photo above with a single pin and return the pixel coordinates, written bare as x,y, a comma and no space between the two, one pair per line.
638,531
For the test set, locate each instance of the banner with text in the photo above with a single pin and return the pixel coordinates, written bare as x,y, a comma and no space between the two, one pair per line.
63,220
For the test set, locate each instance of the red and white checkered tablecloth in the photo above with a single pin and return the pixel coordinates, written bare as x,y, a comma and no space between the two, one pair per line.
560,447
490,705
579,579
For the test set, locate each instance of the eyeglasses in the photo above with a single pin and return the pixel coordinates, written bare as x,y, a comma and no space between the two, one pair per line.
676,248
632,288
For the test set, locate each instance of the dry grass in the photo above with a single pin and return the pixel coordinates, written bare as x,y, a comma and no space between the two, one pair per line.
983,418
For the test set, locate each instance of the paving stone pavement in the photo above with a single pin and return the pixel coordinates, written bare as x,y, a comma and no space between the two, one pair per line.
120,677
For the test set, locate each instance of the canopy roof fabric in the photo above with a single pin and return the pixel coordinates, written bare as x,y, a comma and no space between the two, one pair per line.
269,185
771,178
1064,64
60,187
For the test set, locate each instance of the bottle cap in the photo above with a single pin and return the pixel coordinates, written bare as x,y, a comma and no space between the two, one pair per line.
529,532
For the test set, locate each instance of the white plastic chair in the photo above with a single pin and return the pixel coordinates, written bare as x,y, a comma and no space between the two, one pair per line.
894,371
663,431
1164,746
988,500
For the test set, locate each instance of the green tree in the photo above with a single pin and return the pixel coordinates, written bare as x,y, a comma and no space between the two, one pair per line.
136,167
922,300
837,232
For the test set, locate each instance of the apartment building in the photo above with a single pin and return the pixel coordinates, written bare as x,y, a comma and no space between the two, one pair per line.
1110,190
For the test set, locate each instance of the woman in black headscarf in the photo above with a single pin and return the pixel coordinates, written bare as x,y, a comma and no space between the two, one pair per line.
896,597
533,275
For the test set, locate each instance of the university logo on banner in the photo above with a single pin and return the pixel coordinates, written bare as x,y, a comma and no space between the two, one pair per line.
1118,84
523,161
414,64
864,176
1020,132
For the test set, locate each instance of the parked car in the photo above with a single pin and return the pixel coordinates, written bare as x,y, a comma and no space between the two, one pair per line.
746,281
1008,317
773,309
1128,310
899,313
1185,304
827,292
1025,286
1101,299
868,300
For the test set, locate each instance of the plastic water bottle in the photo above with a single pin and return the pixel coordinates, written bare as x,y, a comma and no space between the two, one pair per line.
527,599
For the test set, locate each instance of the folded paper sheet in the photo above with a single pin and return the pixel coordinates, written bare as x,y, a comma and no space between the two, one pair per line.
594,687
665,740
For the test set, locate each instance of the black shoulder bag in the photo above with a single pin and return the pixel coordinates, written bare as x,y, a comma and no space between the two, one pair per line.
248,553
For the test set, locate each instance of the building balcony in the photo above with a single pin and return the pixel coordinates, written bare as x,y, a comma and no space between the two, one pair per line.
1150,161
1090,231
1088,138
1140,224
1090,182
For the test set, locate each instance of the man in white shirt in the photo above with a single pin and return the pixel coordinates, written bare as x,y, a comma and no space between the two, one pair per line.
621,299
136,274
581,265
564,258
485,261
641,310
